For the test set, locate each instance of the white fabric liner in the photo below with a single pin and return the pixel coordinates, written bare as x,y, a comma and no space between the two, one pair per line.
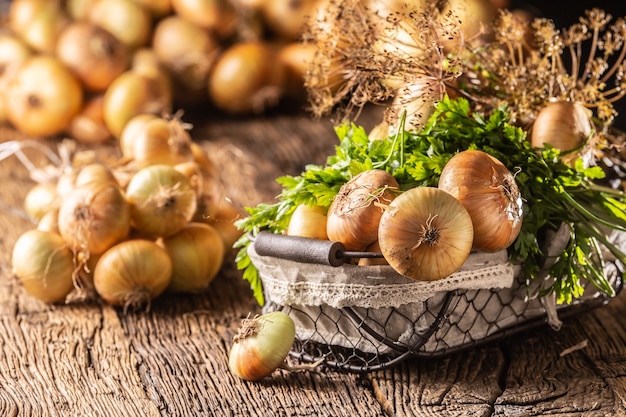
315,295
288,282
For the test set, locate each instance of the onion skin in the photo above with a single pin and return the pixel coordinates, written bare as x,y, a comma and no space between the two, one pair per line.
353,216
132,273
197,254
425,234
162,201
94,217
488,191
261,345
44,264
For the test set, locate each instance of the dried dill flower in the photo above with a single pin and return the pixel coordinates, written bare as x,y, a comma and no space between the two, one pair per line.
372,54
583,63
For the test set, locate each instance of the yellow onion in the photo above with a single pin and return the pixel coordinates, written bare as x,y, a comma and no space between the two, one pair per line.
134,93
218,16
131,131
94,217
132,273
197,253
93,54
127,20
40,199
162,141
95,173
425,234
261,345
49,222
354,214
488,191
247,78
161,199
88,125
187,51
43,96
308,221
288,18
38,22
565,125
205,183
44,264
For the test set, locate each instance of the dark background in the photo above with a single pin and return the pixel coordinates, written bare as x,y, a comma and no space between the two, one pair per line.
565,13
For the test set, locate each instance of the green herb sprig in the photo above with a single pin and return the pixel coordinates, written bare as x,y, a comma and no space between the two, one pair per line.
554,192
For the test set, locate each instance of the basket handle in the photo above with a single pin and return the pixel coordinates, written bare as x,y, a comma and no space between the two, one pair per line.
300,249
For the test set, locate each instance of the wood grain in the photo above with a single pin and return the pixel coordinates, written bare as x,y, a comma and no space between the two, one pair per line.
90,359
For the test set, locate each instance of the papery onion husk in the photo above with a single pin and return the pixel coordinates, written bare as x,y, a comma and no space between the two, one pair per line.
94,217
488,191
132,273
197,254
162,200
353,215
261,345
44,264
425,234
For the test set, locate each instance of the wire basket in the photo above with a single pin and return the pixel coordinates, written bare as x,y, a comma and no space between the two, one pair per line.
366,318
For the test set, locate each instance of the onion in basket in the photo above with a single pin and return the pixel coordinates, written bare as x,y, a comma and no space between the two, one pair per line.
488,191
354,214
425,234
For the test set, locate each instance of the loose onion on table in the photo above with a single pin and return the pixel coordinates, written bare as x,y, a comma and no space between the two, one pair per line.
354,214
162,201
488,191
44,264
261,345
132,273
425,234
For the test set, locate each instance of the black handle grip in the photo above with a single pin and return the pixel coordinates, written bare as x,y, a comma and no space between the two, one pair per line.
300,249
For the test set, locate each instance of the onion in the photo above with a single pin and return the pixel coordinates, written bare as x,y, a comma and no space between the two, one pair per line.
162,141
261,345
93,54
127,20
95,173
94,217
132,273
131,130
425,234
218,16
133,93
188,52
44,264
162,200
43,97
38,22
296,57
288,18
247,78
565,125
40,199
88,125
308,221
490,194
197,253
49,222
206,185
353,216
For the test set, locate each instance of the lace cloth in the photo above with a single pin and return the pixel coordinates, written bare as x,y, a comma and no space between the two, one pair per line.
288,282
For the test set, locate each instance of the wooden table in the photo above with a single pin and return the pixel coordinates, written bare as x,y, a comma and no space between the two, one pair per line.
90,359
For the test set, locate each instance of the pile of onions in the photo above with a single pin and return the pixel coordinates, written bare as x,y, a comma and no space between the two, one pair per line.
127,230
100,63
